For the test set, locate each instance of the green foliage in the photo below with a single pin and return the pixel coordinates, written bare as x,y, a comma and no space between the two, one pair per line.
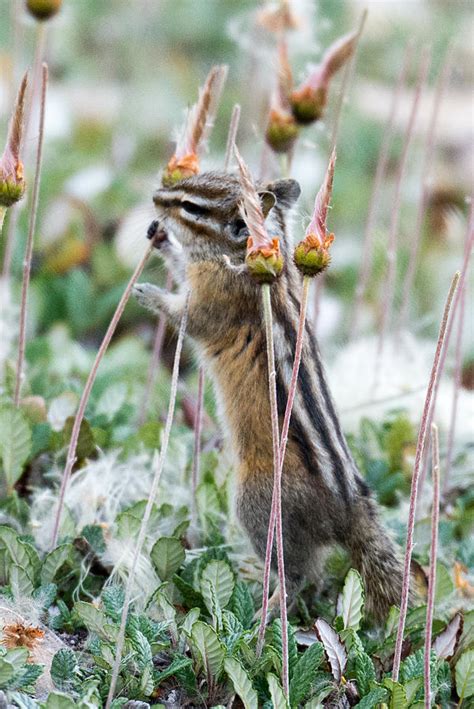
64,668
241,682
15,443
465,675
304,673
352,600
167,556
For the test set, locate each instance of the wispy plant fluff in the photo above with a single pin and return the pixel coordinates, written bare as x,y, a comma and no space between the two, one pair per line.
312,254
12,180
199,120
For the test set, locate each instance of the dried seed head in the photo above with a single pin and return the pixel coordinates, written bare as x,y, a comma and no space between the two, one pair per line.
12,181
309,100
43,9
20,635
278,17
198,123
263,259
311,255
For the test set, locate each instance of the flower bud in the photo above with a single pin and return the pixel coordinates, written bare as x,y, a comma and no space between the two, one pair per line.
282,131
307,104
179,169
12,180
311,256
43,9
264,263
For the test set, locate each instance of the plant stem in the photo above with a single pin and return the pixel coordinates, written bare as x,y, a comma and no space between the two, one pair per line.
71,454
30,238
368,240
267,310
197,438
158,469
3,211
428,154
420,446
433,557
283,442
389,282
231,135
155,359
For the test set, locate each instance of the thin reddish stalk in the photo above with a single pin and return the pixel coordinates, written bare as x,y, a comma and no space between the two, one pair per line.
433,557
428,155
420,446
368,240
389,282
29,242
155,359
267,309
197,437
231,135
158,464
71,454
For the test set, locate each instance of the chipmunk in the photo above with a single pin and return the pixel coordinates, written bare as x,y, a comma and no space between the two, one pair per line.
325,501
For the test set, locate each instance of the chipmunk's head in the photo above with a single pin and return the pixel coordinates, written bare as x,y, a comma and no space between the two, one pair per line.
203,213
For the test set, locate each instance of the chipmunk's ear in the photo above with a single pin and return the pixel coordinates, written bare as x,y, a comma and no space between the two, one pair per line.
286,192
267,201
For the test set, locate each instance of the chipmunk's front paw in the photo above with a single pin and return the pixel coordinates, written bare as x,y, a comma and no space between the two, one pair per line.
149,296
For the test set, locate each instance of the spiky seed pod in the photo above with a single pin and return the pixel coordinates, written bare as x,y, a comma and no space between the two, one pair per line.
179,169
43,9
282,131
12,180
309,100
311,255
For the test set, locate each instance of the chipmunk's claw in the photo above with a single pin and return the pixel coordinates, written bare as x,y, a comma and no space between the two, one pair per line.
157,234
148,295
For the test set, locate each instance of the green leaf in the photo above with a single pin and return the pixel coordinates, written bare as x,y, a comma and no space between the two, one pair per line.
365,672
177,665
398,697
140,644
303,673
204,639
15,443
46,595
242,604
167,556
57,700
444,583
54,560
241,681
112,400
375,697
18,551
113,598
352,600
6,672
217,576
20,582
86,444
64,668
94,619
465,675
292,646
276,693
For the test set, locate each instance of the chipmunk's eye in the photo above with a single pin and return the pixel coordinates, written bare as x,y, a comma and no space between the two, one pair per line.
193,208
239,229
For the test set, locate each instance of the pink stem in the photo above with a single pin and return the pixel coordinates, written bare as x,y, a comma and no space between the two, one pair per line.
368,241
389,282
197,437
423,202
267,308
71,455
231,136
30,238
158,466
420,446
318,291
155,359
433,557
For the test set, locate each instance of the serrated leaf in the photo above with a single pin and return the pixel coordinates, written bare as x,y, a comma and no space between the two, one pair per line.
398,697
54,560
94,619
15,443
204,639
242,604
303,673
113,598
20,582
465,675
46,595
189,620
446,642
352,600
177,665
444,584
335,650
217,576
167,556
56,700
241,681
6,672
276,693
18,551
375,697
142,649
292,646
365,672
64,668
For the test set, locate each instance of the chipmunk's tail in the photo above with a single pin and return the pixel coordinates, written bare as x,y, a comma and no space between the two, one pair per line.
374,555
